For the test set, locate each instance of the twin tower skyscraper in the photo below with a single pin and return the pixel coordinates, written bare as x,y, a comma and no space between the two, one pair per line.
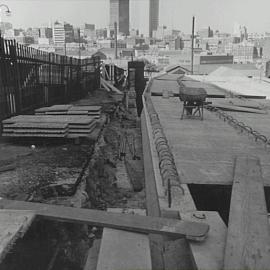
119,13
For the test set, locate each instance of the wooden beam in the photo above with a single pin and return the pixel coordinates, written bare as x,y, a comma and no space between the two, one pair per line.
124,250
233,108
107,85
191,230
93,254
248,237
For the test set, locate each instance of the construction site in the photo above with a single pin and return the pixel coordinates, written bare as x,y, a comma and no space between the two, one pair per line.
102,168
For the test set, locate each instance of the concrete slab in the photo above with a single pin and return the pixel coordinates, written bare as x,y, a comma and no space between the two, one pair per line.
204,150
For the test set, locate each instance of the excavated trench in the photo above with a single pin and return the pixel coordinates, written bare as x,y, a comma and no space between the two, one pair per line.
51,245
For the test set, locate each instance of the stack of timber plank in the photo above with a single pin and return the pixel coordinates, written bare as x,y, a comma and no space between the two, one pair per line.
53,110
65,126
67,109
82,128
29,129
94,111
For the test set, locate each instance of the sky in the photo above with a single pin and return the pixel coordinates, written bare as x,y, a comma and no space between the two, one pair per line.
177,14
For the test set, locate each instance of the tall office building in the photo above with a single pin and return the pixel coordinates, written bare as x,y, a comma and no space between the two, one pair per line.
89,31
119,13
153,16
46,32
58,33
69,32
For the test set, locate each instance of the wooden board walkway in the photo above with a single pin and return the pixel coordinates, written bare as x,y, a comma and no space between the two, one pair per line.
248,237
179,228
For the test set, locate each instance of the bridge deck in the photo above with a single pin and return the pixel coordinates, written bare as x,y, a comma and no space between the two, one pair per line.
204,150
204,153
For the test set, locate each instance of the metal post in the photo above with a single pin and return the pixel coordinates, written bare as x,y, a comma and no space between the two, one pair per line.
192,44
65,46
115,40
8,12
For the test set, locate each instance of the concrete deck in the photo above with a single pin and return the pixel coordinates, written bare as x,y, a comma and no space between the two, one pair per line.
204,153
204,150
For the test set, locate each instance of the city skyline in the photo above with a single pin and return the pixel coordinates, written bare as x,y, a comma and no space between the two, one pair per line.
26,13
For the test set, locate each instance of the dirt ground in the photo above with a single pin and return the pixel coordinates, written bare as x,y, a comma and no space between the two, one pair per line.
36,163
39,167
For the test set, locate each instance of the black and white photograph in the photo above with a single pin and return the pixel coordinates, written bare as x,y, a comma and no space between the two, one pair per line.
134,135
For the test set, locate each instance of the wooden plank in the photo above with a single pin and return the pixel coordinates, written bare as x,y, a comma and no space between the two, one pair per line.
8,167
113,220
85,108
38,131
39,125
61,107
34,135
124,250
42,110
72,119
248,237
13,225
226,107
56,113
109,86
77,112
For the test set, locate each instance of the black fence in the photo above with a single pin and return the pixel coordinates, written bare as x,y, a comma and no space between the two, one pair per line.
31,78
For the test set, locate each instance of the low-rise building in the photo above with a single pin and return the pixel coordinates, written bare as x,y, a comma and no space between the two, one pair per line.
243,53
109,43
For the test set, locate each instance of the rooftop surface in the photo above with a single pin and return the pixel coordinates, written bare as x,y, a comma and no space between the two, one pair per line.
236,81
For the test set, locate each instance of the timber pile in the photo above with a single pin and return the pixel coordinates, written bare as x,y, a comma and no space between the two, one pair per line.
63,126
67,109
